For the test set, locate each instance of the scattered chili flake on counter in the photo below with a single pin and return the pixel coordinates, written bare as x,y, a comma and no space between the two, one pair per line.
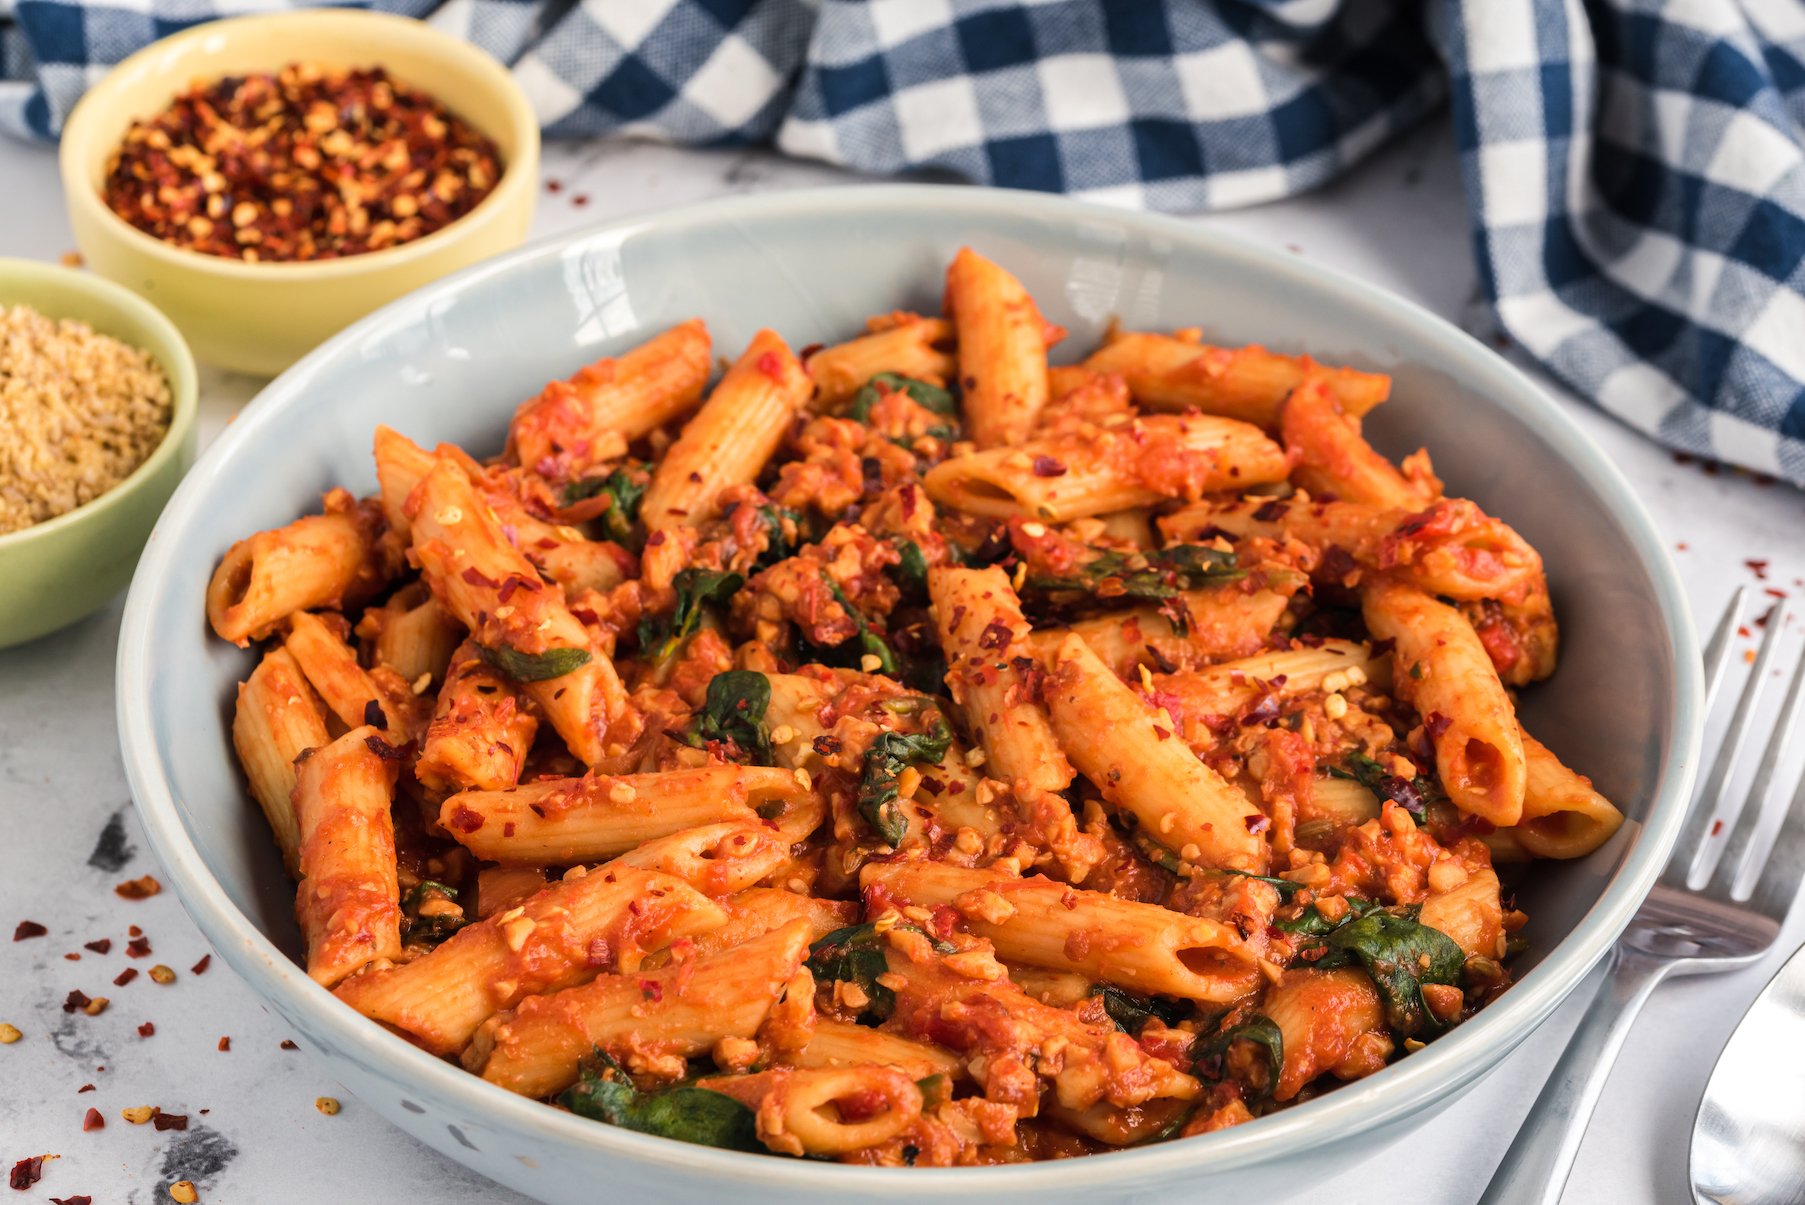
83,1199
137,947
27,1172
102,946
138,889
169,1121
308,163
288,1044
148,1029
200,968
225,1044
93,1120
29,928
124,977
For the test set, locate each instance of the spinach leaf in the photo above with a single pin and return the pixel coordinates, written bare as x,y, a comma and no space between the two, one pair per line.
869,642
1131,1011
855,954
1212,1054
885,760
1401,954
1412,794
661,636
625,488
1312,923
734,713
780,544
1154,576
681,1111
430,913
533,667
929,397
912,572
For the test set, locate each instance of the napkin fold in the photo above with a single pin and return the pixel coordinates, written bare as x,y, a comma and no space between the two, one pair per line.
1635,168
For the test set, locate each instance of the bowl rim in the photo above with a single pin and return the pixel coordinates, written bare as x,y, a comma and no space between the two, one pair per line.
181,374
514,109
1393,1094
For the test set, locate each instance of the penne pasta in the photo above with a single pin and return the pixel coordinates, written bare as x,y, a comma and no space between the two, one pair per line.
1333,458
480,734
731,437
321,561
1003,343
1100,470
346,902
809,1111
277,719
1219,623
908,348
1248,383
1563,816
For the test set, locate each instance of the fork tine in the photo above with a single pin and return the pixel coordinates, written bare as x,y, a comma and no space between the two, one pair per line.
1704,805
1778,885
1756,806
1717,649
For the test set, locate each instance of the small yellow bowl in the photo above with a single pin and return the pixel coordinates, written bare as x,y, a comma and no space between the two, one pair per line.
64,569
262,317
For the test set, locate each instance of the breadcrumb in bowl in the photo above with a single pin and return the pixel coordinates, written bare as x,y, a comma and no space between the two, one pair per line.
97,425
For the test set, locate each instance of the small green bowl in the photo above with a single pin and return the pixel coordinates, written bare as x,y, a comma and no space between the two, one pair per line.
66,568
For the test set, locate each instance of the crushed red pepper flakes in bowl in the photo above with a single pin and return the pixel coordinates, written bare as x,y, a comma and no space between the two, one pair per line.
307,163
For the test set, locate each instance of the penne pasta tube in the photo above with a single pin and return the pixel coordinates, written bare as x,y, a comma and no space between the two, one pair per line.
1332,1021
679,1012
759,910
1452,548
810,1111
319,561
563,936
1062,989
729,440
1100,470
331,666
907,349
499,888
1333,458
416,641
1050,924
346,903
1224,688
1441,669
495,591
401,464
1563,816
1220,623
1471,914
600,816
990,672
715,859
844,1044
480,734
1003,343
277,719
592,416
1248,383
1341,800
1126,749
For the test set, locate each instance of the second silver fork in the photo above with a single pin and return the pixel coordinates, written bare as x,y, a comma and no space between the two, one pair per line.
1678,930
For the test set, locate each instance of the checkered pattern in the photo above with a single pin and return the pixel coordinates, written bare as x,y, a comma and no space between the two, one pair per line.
1636,167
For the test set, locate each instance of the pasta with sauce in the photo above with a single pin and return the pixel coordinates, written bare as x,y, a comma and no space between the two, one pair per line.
908,752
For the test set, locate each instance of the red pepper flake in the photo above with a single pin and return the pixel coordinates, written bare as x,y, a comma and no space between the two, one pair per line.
134,931
383,749
137,947
92,1120
169,1121
29,928
1773,593
76,999
373,716
1717,826
1681,546
225,1044
1435,723
83,1199
99,947
554,186
138,889
771,364
651,989
464,819
1047,466
124,977
86,1088
200,968
996,635
476,577
72,956
1256,823
1758,568
147,1030
580,200
288,1044
27,1172
1271,512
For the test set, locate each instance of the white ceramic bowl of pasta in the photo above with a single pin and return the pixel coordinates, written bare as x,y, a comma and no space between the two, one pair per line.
450,362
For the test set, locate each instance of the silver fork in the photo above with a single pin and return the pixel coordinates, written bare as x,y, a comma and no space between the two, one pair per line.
1679,929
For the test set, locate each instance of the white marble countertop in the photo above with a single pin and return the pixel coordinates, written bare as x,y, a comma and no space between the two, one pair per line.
254,1135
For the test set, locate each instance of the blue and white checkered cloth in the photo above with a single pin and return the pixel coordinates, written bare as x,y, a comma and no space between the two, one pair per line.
1636,168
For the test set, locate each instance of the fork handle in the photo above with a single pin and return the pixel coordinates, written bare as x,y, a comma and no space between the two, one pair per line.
1536,1167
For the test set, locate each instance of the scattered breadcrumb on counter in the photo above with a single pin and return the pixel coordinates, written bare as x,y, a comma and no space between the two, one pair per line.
79,411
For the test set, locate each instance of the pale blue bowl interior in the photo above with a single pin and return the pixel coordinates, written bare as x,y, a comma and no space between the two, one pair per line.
451,362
